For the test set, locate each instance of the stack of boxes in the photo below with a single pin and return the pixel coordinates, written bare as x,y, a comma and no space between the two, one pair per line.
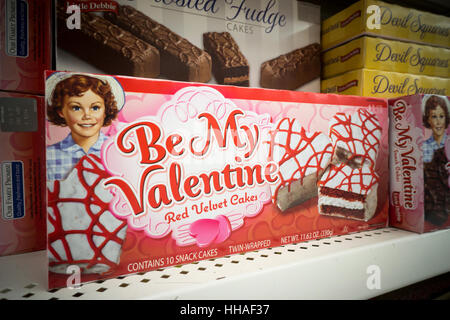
371,49
382,50
25,46
31,44
377,49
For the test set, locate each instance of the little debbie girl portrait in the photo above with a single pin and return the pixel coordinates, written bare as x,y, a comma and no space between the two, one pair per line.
437,118
85,104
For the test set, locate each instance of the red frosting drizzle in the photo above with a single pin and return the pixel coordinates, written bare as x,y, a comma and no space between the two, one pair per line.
91,199
291,152
353,179
342,130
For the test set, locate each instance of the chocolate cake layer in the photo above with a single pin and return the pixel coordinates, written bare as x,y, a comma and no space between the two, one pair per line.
180,59
107,47
342,212
229,65
292,70
349,196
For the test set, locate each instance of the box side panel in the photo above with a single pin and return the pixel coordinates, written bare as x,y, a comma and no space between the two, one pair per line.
406,164
344,58
25,48
22,162
343,25
404,57
386,84
387,20
349,83
413,25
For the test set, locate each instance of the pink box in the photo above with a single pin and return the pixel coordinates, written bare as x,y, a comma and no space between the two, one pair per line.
22,177
25,45
182,171
419,162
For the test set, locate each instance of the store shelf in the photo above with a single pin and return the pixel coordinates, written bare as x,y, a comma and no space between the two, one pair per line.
341,267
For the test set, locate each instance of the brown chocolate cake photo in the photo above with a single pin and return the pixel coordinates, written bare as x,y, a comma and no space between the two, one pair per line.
180,59
229,64
105,46
292,70
170,41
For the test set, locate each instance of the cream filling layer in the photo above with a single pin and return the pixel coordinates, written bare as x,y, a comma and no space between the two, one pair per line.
339,202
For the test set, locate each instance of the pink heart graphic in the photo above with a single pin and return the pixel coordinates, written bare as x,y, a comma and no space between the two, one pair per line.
207,231
224,229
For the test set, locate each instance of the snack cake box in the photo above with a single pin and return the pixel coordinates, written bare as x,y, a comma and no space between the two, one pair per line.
22,177
186,171
382,19
386,55
25,45
384,84
257,43
420,162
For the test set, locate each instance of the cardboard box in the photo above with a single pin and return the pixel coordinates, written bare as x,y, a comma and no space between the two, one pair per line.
386,55
420,162
384,84
188,171
22,177
25,45
260,31
381,19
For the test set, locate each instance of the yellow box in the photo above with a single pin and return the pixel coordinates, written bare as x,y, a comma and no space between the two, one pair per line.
386,55
384,84
378,18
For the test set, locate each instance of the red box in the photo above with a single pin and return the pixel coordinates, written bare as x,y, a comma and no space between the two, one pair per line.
22,177
187,171
25,45
419,162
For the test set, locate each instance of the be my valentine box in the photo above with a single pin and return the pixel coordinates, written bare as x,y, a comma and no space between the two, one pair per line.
143,174
420,162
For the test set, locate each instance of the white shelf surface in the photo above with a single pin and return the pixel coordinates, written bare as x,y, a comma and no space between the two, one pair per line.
356,266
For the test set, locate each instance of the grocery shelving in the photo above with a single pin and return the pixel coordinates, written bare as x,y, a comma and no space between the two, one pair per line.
355,266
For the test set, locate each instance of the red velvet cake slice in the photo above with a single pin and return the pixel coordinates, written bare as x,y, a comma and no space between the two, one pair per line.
348,192
302,157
